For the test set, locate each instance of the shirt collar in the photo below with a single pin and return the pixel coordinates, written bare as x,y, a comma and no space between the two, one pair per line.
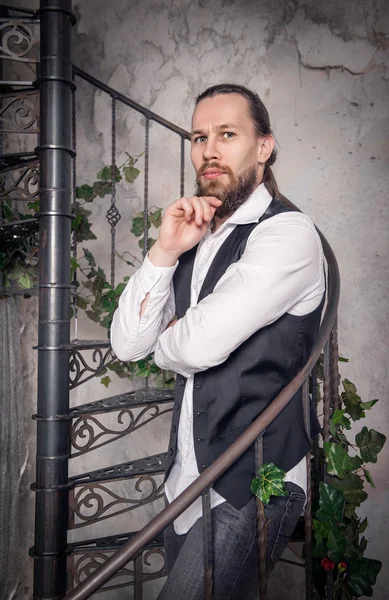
253,209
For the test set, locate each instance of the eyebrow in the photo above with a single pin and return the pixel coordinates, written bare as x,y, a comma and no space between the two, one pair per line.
216,128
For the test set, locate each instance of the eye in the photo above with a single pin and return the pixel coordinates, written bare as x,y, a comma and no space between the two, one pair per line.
199,139
228,135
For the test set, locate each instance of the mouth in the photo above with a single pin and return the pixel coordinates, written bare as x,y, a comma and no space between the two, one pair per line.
212,174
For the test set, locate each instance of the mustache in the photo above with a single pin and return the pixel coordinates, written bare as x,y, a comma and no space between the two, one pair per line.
213,165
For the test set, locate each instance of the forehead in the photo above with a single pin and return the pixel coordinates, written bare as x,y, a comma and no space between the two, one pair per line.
223,108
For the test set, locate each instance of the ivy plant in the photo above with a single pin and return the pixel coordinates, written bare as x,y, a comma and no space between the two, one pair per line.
338,542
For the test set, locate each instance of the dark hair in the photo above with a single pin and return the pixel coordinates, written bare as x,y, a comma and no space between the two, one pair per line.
260,116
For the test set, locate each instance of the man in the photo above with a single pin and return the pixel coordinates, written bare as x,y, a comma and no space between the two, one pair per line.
229,297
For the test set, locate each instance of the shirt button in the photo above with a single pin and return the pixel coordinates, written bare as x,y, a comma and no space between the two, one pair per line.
152,277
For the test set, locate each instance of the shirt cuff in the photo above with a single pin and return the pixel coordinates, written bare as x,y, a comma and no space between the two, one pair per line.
155,278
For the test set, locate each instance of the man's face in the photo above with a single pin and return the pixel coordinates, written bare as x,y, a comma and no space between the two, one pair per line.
225,150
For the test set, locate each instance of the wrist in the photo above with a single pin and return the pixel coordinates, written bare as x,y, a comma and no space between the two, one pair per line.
162,258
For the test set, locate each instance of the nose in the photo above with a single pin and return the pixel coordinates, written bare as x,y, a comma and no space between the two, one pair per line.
210,150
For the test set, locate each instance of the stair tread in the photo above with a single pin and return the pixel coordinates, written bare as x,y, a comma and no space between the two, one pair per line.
9,162
17,230
77,344
132,399
142,466
111,542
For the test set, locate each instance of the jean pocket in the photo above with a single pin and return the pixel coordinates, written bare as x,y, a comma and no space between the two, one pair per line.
285,515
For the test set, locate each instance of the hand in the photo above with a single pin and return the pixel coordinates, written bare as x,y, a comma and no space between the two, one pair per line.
184,224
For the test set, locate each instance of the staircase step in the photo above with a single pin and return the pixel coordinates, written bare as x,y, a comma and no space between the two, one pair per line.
134,399
111,543
11,233
87,344
149,465
9,162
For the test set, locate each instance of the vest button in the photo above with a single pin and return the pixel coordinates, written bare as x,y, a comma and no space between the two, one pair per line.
182,382
177,406
204,466
200,439
198,385
170,451
198,413
174,429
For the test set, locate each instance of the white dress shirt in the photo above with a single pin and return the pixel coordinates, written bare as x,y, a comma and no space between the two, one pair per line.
281,271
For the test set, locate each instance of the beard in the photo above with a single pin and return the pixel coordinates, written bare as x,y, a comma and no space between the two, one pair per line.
233,194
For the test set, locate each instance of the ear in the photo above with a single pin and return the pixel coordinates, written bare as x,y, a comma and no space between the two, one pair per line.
265,148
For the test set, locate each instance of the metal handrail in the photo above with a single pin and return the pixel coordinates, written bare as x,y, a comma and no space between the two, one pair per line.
144,111
225,460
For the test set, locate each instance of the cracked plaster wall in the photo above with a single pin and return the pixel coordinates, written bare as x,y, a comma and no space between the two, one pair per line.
322,69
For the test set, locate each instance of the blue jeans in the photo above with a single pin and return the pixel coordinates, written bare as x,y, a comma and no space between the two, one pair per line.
235,551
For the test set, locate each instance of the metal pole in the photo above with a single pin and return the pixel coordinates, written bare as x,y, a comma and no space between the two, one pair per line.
51,509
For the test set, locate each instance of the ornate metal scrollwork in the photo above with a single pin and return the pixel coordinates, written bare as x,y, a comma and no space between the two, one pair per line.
84,563
78,366
18,42
19,113
87,430
24,187
92,501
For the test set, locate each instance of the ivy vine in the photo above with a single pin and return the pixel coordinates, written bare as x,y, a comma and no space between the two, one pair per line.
338,544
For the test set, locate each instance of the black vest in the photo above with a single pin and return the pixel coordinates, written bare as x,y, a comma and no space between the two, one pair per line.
227,398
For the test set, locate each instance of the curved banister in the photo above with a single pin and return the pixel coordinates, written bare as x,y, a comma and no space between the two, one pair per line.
128,102
225,460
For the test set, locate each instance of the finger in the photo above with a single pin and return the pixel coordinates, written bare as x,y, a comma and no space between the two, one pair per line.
199,209
213,201
186,205
207,209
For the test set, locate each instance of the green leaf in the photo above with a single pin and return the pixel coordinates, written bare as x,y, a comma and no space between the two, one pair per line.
362,545
370,443
119,289
338,418
349,387
85,192
339,461
102,188
362,576
74,265
336,544
130,173
94,316
106,322
126,278
89,257
150,243
369,477
34,206
105,380
82,302
368,405
321,529
24,282
156,218
362,525
331,503
137,226
270,482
